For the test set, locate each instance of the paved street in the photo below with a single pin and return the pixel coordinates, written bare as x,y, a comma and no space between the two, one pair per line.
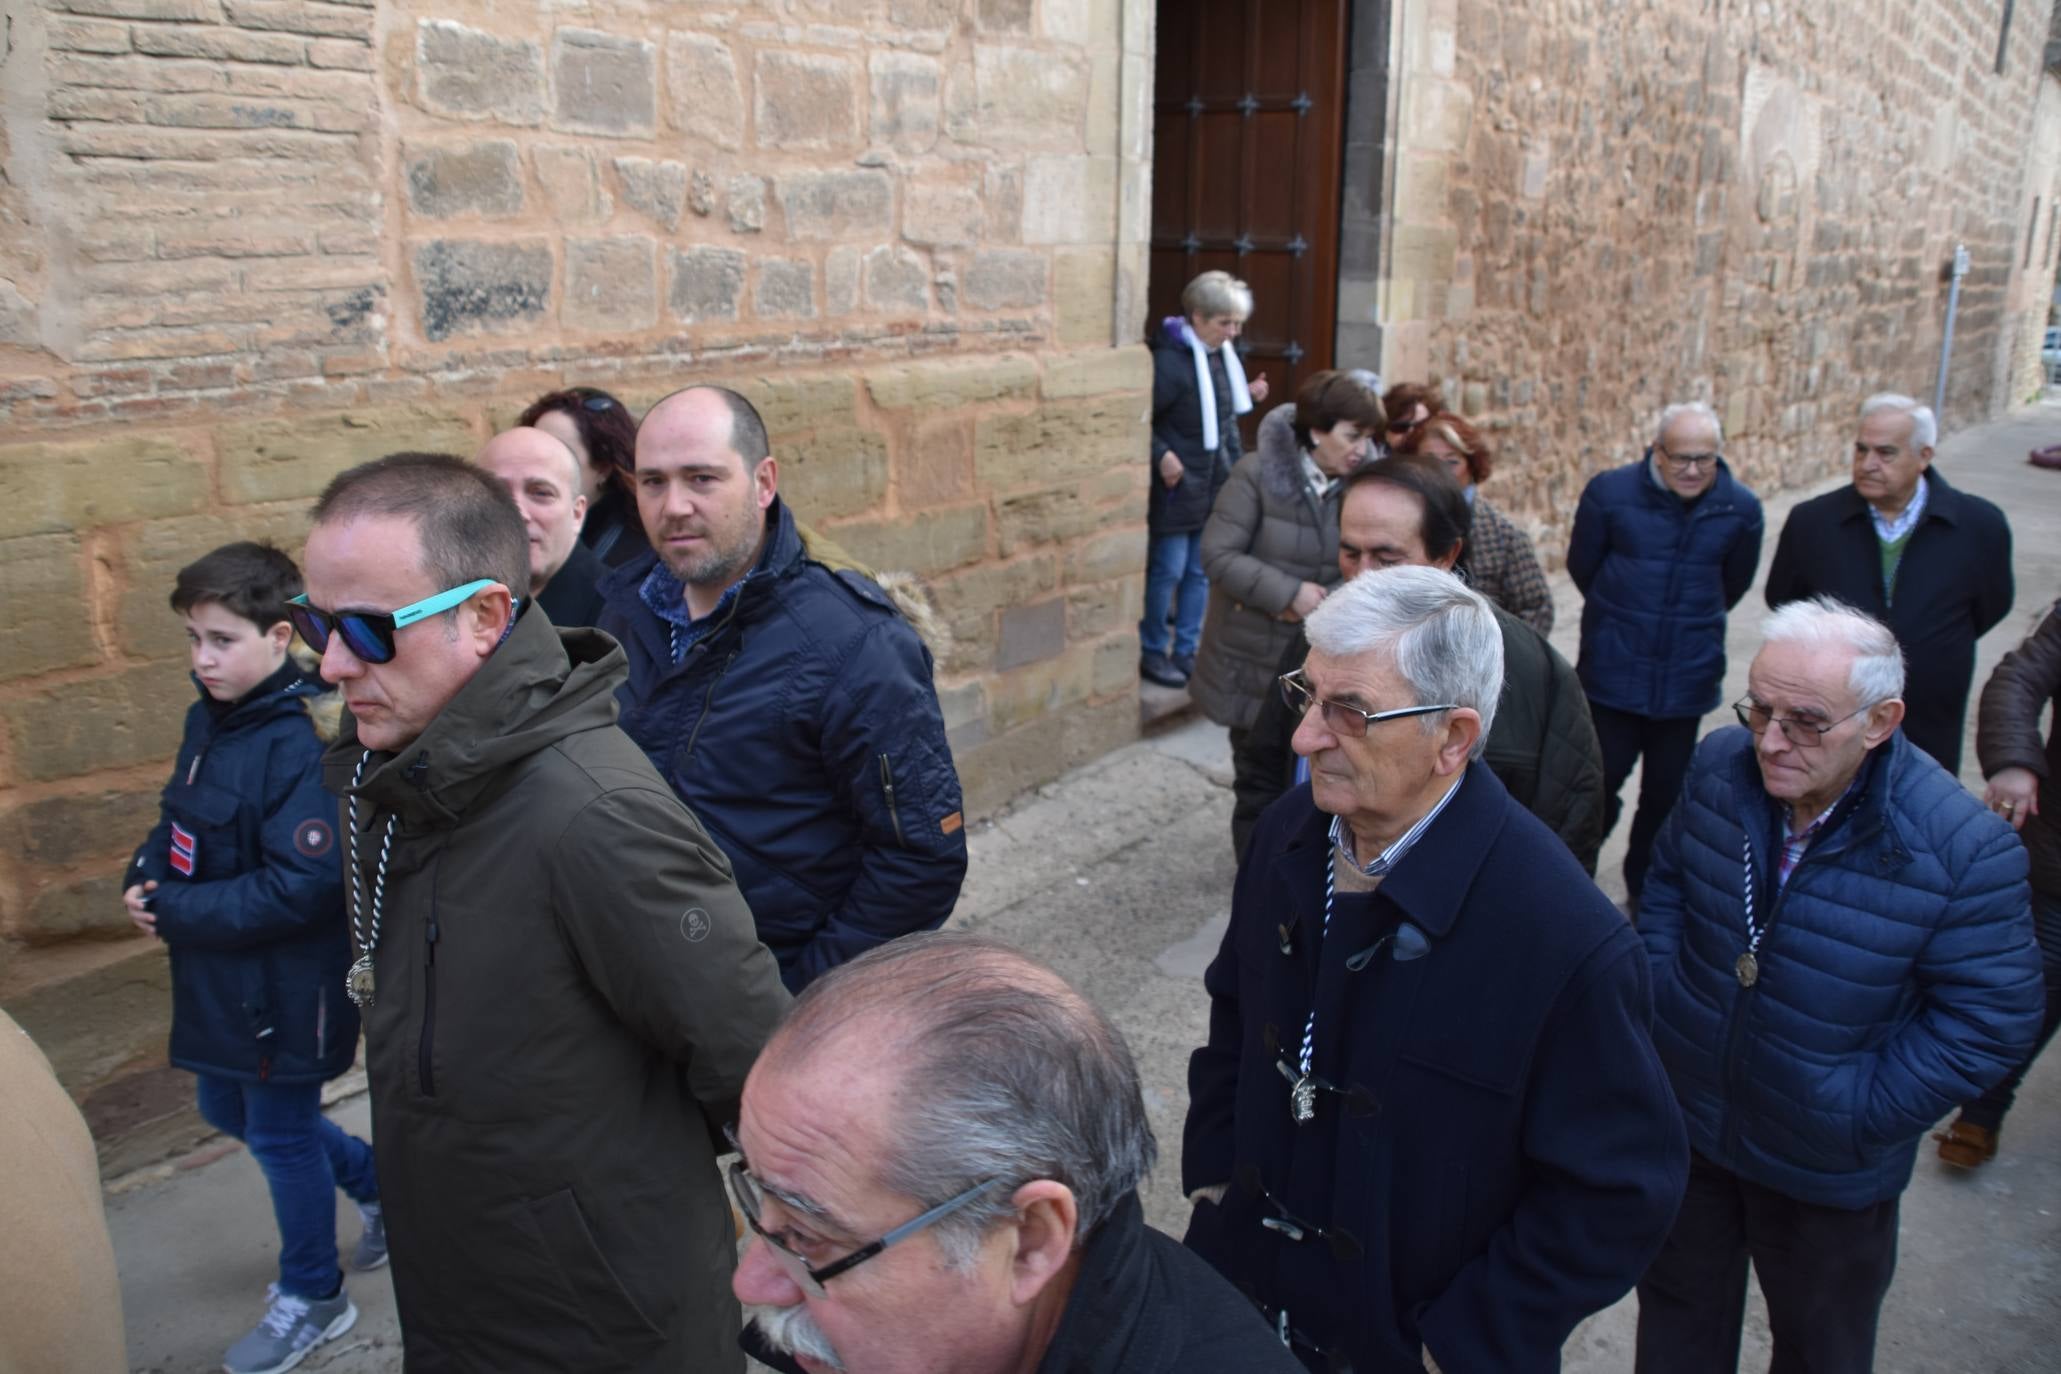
1120,874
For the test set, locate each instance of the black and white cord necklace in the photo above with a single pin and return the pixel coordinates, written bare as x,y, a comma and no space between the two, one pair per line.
1746,968
358,982
1302,1096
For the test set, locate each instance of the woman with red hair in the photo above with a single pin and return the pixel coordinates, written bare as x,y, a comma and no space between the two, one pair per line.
1500,561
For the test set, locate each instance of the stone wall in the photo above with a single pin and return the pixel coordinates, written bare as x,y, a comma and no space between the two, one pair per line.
1601,208
245,243
2039,248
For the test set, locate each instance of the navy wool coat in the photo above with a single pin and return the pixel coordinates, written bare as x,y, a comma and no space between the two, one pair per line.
1657,575
1953,585
1501,1156
250,896
1898,975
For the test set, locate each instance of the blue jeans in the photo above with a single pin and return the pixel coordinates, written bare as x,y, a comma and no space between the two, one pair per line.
306,1158
1173,581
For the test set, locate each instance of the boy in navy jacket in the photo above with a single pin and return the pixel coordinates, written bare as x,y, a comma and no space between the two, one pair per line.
241,880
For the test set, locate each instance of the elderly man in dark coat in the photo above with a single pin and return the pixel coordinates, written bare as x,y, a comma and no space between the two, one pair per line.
1841,951
1409,509
1931,562
1429,1120
952,1115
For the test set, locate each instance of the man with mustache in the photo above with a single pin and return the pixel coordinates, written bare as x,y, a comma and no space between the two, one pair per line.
790,706
940,1157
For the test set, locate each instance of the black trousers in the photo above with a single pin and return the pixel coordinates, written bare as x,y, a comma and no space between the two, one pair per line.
1823,1270
1667,742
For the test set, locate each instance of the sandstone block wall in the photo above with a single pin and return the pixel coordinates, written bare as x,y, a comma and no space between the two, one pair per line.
246,243
1601,208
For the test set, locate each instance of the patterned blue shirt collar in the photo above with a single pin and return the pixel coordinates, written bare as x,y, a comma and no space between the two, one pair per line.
666,596
1385,862
1889,531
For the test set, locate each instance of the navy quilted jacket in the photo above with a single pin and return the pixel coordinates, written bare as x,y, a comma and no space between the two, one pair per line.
250,898
1657,575
1898,975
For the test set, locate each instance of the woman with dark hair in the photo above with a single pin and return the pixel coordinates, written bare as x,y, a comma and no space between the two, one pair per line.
602,434
1270,548
1501,562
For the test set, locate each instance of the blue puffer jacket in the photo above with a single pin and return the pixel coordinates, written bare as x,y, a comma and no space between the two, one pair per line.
256,929
1657,575
804,733
1898,975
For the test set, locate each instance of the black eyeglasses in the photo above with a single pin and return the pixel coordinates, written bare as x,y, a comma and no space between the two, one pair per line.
1349,721
598,403
1689,462
1804,734
1405,426
370,634
750,1195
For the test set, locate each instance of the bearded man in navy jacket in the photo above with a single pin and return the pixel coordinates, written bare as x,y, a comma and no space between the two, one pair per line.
1842,952
1429,1120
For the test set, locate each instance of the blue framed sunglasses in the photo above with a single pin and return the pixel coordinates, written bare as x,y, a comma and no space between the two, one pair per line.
370,634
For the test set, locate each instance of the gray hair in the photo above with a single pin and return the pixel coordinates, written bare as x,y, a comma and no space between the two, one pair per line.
1441,635
1924,424
1217,293
1007,1073
1823,622
1697,409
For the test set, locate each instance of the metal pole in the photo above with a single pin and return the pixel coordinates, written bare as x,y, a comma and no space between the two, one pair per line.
1946,344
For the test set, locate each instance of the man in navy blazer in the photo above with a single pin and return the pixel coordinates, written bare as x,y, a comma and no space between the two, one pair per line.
1429,1121
1842,951
1928,560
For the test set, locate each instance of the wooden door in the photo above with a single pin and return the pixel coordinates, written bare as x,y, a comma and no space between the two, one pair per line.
1248,117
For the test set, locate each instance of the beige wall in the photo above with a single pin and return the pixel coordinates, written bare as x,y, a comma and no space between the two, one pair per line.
1599,209
2039,250
244,243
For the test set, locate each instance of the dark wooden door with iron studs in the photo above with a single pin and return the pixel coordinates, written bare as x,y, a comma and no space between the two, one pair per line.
1248,122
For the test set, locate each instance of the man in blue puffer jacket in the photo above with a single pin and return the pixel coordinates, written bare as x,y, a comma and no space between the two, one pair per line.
790,706
1842,951
240,878
1662,549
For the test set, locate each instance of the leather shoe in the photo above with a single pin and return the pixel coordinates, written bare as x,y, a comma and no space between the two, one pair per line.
1184,664
1160,669
1966,1145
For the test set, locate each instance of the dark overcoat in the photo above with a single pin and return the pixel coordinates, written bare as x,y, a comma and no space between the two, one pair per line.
1953,584
1502,1155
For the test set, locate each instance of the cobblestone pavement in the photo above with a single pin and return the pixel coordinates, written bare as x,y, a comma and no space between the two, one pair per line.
1120,875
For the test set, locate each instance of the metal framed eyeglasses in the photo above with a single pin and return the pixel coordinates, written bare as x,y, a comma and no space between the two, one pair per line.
1349,721
1804,734
751,1198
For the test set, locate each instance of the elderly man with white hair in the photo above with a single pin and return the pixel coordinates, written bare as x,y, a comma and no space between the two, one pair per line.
1662,550
1931,562
1429,1125
1842,951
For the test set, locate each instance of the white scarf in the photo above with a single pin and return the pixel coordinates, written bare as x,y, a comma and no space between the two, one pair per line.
1241,396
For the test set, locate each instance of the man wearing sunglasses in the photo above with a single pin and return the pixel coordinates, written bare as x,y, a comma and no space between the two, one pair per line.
1842,951
560,985
1428,1120
939,1159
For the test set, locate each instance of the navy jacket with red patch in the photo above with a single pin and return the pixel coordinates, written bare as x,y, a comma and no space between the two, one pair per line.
250,893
